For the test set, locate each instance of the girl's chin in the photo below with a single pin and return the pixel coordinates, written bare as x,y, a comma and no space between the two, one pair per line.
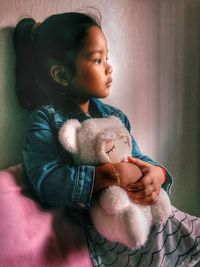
105,93
101,93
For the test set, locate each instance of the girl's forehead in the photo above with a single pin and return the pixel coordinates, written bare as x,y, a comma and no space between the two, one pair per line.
95,41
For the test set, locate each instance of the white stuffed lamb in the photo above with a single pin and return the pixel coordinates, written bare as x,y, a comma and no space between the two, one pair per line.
114,215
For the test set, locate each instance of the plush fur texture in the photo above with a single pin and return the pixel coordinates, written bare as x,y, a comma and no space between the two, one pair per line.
114,215
86,140
118,219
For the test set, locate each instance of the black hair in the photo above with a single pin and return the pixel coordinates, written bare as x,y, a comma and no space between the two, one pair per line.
57,40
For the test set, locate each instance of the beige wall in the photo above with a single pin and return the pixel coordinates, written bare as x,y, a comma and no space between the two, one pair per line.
154,49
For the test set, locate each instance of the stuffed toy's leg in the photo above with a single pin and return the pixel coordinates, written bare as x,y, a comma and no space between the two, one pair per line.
162,209
118,219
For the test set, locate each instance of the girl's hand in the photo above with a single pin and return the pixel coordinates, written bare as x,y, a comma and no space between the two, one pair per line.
147,189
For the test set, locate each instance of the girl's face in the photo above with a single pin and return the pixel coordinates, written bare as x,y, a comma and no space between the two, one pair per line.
93,72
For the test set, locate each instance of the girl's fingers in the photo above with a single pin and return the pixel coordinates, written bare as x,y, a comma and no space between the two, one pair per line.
140,163
141,184
149,200
143,193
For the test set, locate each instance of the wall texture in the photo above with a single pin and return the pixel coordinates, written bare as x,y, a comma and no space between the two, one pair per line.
154,49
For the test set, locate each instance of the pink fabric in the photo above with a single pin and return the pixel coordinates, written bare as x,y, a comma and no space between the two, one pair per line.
32,236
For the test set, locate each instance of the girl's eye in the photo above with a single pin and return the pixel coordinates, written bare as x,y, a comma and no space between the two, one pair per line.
98,61
110,150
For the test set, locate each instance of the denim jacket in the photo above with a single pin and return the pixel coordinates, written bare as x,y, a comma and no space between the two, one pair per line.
54,177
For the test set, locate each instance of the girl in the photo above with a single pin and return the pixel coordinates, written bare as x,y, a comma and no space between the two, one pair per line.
62,70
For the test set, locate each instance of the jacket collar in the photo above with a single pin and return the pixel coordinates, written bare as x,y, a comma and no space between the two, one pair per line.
73,111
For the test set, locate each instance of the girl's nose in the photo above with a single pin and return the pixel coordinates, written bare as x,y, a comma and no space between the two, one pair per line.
109,69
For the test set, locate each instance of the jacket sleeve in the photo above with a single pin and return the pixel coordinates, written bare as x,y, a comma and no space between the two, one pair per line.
137,154
54,181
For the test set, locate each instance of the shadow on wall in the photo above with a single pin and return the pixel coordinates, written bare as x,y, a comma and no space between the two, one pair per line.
12,118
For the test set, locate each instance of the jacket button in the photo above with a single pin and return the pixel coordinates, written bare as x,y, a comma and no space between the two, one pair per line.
81,205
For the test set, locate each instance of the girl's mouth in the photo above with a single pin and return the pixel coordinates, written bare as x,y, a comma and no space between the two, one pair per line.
109,82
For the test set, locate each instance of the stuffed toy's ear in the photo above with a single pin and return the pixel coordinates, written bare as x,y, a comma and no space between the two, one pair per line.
68,135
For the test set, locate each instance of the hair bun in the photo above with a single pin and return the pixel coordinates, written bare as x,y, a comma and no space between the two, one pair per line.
34,30
22,33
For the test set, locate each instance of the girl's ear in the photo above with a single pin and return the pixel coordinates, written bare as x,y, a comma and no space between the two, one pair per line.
59,74
68,135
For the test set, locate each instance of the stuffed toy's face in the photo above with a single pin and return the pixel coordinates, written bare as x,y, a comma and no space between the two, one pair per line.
97,140
118,150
